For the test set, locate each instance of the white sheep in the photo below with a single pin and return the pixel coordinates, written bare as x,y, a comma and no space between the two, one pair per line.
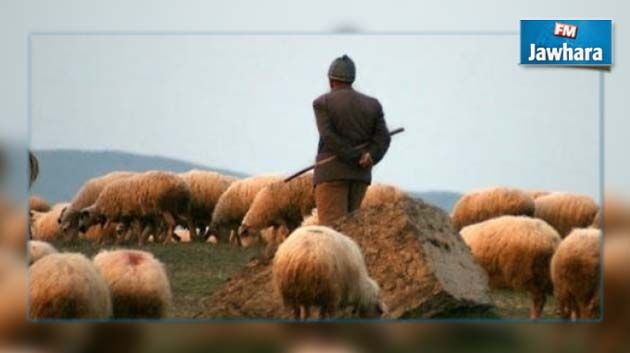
138,283
68,286
319,267
515,251
575,274
234,204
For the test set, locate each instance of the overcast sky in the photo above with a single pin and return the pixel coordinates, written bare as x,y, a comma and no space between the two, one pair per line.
474,117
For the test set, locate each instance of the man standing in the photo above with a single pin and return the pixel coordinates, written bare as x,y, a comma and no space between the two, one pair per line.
345,119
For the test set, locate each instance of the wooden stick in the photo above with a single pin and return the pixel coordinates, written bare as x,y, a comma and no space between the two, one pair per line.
333,157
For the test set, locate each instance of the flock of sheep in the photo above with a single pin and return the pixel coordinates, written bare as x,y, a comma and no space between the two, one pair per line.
538,242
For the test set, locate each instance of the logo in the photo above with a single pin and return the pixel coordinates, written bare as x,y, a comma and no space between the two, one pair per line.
566,42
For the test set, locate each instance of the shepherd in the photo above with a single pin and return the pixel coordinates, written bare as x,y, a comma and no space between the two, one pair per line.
346,118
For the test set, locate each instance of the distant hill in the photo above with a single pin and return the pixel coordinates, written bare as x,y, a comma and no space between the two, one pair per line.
442,199
63,172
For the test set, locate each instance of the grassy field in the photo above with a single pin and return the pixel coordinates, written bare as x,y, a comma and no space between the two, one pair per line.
196,270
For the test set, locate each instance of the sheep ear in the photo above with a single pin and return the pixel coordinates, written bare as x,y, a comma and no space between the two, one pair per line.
61,214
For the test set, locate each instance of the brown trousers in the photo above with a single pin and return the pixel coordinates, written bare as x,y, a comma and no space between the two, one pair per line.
336,199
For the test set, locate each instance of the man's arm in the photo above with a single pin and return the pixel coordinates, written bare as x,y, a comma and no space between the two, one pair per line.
340,147
380,139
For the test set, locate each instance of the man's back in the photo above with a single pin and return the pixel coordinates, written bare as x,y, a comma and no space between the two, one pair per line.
347,118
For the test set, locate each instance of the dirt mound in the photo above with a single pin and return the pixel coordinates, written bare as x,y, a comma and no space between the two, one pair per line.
412,251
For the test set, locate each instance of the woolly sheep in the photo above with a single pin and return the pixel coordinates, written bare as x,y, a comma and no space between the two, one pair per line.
234,204
515,251
575,274
380,194
153,194
38,203
319,267
565,211
68,286
45,225
206,187
481,205
38,249
85,197
137,281
281,206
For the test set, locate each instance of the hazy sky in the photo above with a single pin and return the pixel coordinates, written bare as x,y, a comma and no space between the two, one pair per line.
474,117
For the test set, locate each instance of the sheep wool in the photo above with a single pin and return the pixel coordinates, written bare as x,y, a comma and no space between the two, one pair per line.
38,249
281,203
206,187
138,282
319,267
575,274
565,211
515,251
68,286
38,203
85,197
481,205
236,201
153,193
45,225
380,194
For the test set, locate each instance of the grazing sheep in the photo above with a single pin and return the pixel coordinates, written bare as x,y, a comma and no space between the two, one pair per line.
380,194
38,249
45,225
37,203
85,197
280,205
482,205
536,193
68,286
614,216
515,251
575,274
206,188
137,281
565,211
234,204
319,267
146,196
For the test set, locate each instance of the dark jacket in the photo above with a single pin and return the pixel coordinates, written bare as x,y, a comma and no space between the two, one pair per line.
346,118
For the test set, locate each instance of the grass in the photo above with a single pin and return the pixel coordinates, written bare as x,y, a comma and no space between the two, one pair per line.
198,269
